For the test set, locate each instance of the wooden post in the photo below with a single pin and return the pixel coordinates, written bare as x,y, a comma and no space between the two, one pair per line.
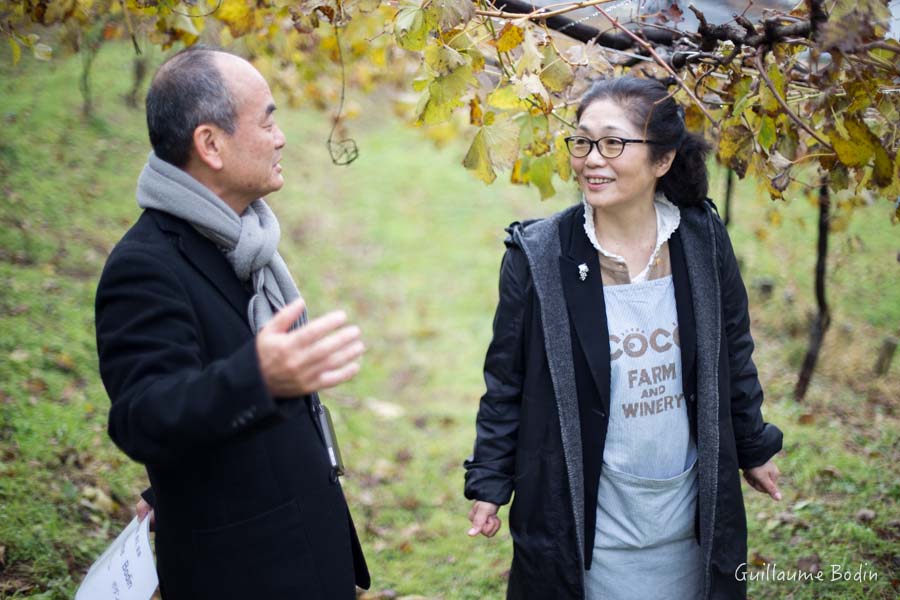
729,189
885,355
822,318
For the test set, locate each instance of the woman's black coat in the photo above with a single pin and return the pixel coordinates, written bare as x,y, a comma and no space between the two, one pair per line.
541,431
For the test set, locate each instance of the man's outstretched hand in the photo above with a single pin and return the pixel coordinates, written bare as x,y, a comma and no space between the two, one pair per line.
322,354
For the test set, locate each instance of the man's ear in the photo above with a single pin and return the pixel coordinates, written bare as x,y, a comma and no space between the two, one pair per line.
208,145
665,163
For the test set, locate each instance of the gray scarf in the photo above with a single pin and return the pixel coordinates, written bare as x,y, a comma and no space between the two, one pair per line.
249,241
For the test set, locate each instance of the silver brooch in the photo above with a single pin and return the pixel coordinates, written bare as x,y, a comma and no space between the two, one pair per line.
582,271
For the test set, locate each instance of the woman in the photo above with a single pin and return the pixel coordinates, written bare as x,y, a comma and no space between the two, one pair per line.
621,396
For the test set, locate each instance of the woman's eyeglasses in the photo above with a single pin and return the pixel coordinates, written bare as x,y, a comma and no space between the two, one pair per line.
608,147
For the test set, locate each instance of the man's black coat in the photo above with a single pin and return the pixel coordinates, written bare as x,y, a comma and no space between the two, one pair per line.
245,503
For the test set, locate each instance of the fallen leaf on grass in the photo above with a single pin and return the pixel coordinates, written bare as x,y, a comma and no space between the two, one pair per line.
385,410
97,499
890,532
36,385
832,472
758,560
786,518
384,470
410,503
809,564
801,504
18,356
865,515
64,362
807,419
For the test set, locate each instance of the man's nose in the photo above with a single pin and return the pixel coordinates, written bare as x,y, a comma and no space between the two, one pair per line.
280,139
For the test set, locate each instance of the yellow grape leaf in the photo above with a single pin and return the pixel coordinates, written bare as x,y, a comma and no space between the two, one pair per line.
16,51
540,173
510,37
464,44
476,116
742,96
530,61
778,184
477,59
502,136
893,190
367,6
531,85
478,159
57,11
694,119
506,98
766,136
453,12
443,95
561,158
858,146
862,92
556,75
411,27
884,168
769,103
495,145
237,15
519,173
42,52
442,60
736,148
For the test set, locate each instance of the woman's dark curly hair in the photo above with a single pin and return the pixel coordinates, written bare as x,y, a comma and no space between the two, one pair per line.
650,108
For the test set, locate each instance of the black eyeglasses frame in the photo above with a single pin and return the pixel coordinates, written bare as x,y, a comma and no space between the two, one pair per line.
596,143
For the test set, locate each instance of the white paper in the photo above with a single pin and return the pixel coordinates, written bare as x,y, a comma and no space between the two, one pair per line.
125,571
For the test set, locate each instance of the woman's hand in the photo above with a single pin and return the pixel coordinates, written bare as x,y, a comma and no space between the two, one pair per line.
484,519
763,478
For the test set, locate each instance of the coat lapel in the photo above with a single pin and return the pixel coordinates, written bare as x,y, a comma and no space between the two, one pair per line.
587,309
698,241
542,245
207,259
687,334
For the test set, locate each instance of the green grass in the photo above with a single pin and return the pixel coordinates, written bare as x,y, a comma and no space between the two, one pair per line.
409,244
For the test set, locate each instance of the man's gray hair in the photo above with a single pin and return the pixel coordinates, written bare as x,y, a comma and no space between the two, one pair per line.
187,91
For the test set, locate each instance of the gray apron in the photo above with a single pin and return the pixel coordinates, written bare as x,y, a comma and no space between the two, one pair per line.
644,545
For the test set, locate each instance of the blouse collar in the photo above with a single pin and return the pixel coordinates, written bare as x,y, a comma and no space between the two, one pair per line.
668,217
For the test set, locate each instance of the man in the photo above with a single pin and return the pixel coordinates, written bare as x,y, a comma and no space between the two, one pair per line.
208,359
